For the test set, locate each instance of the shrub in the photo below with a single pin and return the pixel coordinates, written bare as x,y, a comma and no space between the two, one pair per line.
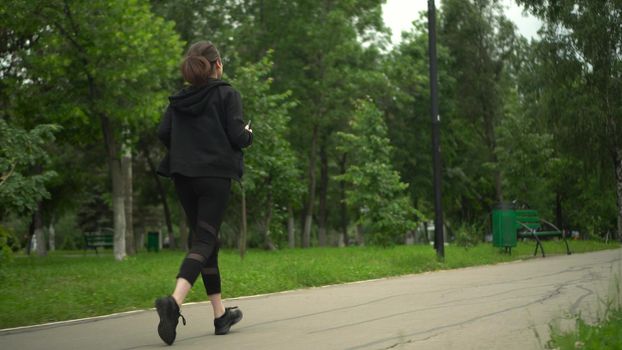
7,246
467,235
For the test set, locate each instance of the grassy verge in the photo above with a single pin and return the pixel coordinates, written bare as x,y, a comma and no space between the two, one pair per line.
68,285
604,335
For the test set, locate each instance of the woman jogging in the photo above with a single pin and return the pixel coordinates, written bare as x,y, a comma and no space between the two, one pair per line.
204,133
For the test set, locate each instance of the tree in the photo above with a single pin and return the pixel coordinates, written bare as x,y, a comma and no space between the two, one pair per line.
22,176
20,151
326,74
582,71
108,61
376,191
272,176
481,41
406,107
195,20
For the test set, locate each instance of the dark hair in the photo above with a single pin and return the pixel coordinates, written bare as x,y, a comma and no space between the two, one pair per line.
199,62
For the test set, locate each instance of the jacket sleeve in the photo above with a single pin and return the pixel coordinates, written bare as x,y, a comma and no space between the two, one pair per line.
164,130
237,134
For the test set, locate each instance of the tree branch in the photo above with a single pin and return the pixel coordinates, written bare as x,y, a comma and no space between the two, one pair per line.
4,178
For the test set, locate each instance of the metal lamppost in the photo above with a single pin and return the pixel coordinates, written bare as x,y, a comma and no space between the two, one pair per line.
436,123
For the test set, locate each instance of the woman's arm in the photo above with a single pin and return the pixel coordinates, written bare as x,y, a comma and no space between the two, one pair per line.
164,130
236,132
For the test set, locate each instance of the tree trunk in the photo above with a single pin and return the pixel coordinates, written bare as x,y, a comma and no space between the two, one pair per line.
303,216
323,196
618,168
242,240
118,195
38,230
291,231
342,202
488,120
492,146
360,236
163,199
52,234
269,245
498,182
558,211
118,210
306,235
30,238
126,165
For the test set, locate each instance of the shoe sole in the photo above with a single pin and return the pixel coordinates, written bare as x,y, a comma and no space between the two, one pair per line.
166,331
226,329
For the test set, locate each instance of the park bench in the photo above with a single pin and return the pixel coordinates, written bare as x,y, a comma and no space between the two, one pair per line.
530,225
94,240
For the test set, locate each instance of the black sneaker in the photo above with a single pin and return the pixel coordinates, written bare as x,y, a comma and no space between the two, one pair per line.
232,316
168,310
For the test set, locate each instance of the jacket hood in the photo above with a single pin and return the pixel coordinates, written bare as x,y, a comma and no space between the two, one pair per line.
192,100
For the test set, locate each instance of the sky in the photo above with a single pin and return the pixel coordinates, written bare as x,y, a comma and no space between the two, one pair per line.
399,14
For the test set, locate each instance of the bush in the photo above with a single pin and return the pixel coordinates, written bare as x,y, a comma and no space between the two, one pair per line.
68,233
467,235
7,246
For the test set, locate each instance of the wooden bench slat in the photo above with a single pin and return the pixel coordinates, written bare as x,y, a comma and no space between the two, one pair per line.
540,233
94,240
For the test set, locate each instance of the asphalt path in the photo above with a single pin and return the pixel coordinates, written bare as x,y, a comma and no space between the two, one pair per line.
505,306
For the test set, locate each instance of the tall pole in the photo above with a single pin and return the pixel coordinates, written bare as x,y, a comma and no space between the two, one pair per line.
436,123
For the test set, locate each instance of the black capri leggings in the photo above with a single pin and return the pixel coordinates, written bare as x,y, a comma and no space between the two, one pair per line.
204,200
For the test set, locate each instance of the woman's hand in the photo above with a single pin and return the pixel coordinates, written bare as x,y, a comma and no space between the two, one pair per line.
248,127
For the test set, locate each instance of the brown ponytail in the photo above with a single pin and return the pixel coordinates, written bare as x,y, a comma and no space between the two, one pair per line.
199,62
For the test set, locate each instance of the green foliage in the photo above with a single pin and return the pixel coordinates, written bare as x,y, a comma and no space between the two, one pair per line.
604,336
406,108
318,56
21,187
481,44
270,161
578,72
103,57
597,212
272,176
376,191
528,160
100,69
199,20
535,122
6,248
468,235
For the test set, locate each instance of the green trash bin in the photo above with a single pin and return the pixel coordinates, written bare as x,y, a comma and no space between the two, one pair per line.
153,241
504,226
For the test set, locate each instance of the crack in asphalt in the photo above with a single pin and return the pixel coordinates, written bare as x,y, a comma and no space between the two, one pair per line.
348,307
550,295
590,276
575,306
463,301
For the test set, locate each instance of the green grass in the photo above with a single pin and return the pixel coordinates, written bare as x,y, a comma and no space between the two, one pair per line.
69,285
605,334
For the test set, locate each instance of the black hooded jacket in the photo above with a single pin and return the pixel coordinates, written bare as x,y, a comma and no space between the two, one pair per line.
203,130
